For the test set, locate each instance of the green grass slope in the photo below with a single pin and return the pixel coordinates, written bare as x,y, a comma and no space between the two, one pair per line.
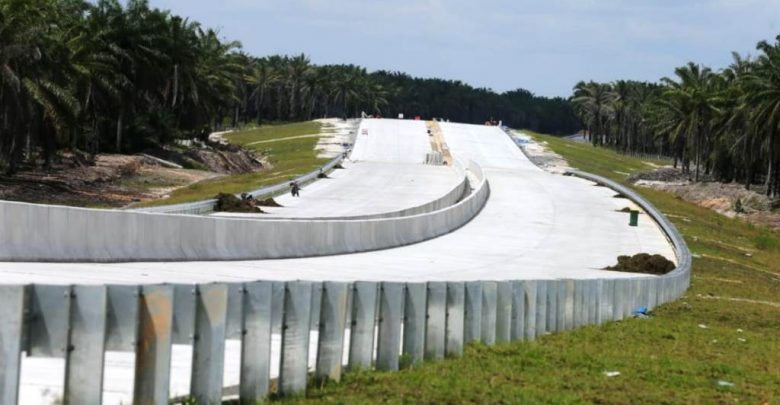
288,148
668,358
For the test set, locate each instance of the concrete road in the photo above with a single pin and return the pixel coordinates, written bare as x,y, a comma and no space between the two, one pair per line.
535,225
385,173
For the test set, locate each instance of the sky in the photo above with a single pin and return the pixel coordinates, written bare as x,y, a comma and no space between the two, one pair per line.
545,46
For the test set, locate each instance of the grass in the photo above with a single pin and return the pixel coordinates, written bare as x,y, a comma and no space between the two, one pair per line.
664,359
289,158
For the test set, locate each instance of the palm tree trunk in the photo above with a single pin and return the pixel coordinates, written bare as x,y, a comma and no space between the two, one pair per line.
175,84
119,123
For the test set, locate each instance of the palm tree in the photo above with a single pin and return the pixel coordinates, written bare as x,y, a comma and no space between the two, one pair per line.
593,101
762,86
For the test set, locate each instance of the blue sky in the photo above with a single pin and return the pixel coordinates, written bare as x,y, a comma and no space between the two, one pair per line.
544,46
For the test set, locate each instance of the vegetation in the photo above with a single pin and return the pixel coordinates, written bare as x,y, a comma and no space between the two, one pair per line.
457,101
722,124
667,358
286,148
99,76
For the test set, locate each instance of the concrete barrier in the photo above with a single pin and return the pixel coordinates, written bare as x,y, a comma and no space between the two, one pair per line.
57,233
457,193
79,323
207,206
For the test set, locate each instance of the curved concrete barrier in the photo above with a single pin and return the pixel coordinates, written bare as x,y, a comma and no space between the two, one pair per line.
57,233
377,323
457,193
207,206
682,273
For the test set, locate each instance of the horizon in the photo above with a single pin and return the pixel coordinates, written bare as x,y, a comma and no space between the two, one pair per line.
606,40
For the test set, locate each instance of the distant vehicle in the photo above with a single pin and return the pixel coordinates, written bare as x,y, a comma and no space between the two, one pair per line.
364,131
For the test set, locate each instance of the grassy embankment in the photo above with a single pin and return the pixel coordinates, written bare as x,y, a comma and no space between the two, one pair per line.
289,151
668,358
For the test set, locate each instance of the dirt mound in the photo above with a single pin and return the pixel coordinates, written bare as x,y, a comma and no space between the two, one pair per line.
212,156
643,263
268,202
231,203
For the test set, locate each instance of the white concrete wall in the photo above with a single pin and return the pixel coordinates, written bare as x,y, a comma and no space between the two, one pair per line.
33,232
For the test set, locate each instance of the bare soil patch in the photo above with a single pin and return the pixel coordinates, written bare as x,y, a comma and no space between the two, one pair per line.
729,199
111,181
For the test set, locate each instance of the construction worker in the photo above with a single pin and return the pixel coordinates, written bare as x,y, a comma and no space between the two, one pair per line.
295,189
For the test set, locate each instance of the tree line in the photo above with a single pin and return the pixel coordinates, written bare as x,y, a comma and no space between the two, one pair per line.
106,77
721,124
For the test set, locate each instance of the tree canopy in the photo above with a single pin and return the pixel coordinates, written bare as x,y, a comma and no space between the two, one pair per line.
721,124
103,76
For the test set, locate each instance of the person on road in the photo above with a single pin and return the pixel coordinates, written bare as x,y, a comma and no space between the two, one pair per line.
295,189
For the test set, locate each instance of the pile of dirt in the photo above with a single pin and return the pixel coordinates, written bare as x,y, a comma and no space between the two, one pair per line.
212,156
643,263
228,159
230,203
268,202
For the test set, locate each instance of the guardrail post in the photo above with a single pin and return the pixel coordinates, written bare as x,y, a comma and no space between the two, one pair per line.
362,327
208,349
456,297
184,302
333,319
436,315
255,341
618,298
600,288
579,303
473,312
568,310
608,301
414,321
518,311
504,312
591,301
391,305
541,307
628,297
86,346
49,320
296,324
153,351
12,302
489,301
530,309
552,305
652,292
560,305
122,317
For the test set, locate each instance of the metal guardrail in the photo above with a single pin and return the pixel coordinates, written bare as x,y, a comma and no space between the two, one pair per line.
377,323
207,206
80,322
